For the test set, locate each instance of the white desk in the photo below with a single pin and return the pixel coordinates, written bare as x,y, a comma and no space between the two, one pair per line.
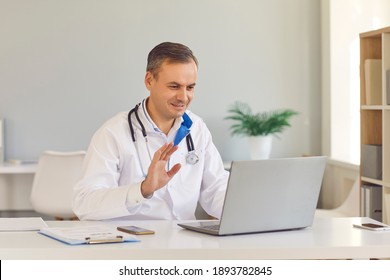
330,238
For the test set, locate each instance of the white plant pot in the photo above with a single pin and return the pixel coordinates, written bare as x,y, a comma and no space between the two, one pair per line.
260,146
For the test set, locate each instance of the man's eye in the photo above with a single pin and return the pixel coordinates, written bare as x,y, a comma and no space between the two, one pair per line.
173,86
190,88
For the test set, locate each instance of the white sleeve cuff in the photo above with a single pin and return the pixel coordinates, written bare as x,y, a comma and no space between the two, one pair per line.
134,195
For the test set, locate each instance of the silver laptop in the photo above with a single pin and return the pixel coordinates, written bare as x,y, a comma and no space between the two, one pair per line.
268,195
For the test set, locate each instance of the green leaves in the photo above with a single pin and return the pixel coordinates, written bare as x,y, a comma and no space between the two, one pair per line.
249,124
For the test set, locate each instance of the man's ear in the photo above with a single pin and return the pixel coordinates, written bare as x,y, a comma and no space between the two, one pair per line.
148,79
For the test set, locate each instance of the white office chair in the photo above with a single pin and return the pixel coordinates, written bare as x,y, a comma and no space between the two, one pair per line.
53,183
349,208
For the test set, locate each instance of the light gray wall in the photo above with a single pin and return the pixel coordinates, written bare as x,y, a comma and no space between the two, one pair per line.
67,66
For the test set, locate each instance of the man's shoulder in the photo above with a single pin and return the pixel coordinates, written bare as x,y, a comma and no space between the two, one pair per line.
117,118
115,124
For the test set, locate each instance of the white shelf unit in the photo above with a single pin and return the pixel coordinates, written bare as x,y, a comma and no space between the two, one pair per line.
375,119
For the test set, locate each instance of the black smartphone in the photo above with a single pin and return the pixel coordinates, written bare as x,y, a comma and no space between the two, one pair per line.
371,226
135,230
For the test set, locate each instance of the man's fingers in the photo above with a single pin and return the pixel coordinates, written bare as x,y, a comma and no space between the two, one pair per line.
166,151
159,153
174,170
169,151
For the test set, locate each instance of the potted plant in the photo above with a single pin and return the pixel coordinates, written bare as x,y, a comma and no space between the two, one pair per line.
258,127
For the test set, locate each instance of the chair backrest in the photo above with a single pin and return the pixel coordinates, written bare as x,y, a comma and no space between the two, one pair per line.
349,208
52,189
351,204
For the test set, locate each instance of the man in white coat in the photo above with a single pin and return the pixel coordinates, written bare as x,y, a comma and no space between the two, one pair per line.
158,160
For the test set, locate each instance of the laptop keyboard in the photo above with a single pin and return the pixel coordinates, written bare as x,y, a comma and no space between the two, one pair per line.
211,227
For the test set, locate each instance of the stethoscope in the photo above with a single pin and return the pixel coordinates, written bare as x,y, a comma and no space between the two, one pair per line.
191,158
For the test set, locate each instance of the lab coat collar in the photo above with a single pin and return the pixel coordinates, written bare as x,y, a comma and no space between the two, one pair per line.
183,130
151,127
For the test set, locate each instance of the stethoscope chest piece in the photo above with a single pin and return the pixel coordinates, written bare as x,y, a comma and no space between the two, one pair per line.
192,158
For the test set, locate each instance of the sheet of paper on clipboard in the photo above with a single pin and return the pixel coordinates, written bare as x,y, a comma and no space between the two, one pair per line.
87,235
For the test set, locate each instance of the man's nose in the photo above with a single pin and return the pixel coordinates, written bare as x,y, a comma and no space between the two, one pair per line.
182,94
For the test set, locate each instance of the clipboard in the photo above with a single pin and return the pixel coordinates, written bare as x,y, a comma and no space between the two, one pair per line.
87,235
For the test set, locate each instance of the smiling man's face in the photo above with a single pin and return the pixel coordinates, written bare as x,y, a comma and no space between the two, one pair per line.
171,92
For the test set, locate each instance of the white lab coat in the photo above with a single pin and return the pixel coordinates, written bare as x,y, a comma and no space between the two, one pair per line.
112,175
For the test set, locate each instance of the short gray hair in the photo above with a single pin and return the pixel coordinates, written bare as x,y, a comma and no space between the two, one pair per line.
171,52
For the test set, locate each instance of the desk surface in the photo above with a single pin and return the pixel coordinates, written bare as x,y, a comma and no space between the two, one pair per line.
328,238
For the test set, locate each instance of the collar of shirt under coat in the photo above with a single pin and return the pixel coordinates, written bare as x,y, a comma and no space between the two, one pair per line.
151,127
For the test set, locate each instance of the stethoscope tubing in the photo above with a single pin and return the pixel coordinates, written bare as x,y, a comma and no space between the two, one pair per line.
191,158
